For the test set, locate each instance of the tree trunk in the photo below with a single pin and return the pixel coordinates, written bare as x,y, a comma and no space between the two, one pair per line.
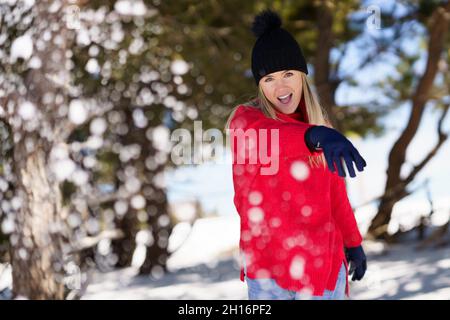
36,243
326,89
124,247
395,184
379,225
157,252
36,250
156,204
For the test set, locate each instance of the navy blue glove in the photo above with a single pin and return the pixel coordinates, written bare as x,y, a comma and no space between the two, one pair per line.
358,262
334,146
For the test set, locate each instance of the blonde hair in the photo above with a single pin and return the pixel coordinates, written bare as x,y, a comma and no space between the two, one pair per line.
315,113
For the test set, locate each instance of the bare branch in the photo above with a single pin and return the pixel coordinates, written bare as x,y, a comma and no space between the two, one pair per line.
442,138
89,242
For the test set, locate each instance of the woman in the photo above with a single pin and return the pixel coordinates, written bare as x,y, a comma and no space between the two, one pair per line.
297,226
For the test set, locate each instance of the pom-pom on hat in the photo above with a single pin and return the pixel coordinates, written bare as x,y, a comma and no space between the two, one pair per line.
275,48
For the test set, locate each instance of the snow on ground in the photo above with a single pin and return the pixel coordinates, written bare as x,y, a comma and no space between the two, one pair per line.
403,272
206,267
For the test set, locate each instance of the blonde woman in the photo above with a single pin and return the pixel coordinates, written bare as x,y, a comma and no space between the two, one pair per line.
298,230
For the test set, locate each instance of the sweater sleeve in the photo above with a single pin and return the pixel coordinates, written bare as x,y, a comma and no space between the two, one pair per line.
343,213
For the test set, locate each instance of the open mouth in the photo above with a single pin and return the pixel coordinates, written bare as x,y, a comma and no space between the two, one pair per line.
285,99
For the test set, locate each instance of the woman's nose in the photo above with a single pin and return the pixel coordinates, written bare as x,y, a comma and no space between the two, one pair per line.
281,81
280,84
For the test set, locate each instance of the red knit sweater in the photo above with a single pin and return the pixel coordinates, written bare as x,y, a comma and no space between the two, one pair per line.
294,223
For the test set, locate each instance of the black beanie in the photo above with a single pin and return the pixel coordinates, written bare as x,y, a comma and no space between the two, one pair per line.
275,49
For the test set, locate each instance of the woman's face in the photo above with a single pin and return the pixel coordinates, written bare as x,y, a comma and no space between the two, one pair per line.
283,89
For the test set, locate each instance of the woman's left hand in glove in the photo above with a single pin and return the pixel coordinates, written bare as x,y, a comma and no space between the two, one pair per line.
358,262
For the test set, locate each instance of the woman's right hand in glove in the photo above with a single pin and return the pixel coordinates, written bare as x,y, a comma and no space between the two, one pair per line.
334,146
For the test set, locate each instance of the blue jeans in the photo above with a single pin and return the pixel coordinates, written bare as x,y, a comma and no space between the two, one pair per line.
268,289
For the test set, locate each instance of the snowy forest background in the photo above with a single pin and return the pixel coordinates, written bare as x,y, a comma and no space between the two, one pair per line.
92,205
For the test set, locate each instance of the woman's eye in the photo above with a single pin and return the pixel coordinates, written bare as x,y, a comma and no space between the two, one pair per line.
267,80
288,74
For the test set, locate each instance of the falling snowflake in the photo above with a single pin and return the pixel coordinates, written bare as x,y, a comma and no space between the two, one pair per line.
255,198
92,66
297,267
27,110
299,170
77,112
306,211
255,214
179,67
22,47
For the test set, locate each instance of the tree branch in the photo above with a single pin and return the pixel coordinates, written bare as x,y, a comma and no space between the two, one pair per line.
438,31
442,138
95,200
